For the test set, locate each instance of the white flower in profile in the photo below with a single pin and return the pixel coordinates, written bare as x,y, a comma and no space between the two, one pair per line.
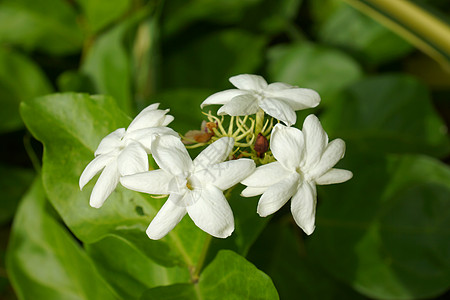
195,187
125,152
278,100
304,159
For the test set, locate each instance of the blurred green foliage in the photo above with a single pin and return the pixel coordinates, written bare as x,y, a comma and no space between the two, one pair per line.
383,235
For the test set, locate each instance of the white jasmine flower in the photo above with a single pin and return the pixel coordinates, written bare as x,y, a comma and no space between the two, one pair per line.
125,152
279,100
195,187
304,159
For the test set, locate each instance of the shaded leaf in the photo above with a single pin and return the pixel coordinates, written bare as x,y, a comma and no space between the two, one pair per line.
101,13
43,259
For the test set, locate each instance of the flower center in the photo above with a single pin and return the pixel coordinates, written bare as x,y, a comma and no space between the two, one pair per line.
189,185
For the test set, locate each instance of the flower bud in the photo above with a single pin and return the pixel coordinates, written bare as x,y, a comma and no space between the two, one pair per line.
261,145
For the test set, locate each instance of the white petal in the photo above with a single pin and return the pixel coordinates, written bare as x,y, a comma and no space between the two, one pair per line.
212,213
152,182
316,140
303,207
241,105
332,154
167,120
276,86
226,174
105,185
253,191
170,154
133,159
95,166
148,118
298,98
249,82
166,219
334,176
266,175
215,153
110,142
277,195
145,136
287,145
222,97
279,110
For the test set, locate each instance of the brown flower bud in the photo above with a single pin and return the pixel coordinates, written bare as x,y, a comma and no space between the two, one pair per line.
261,145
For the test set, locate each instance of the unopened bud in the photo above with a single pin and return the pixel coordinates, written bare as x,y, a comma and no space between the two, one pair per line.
261,145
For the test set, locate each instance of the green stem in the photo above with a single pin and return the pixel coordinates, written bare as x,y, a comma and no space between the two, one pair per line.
259,121
201,261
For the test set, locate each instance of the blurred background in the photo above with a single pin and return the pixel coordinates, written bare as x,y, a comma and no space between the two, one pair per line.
382,70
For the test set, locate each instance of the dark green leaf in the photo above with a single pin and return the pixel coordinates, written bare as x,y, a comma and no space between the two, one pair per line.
20,79
14,182
229,276
46,25
128,270
43,259
326,70
385,232
71,127
390,113
101,13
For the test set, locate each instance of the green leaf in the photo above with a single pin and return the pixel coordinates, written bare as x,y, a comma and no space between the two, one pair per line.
229,276
43,259
326,70
46,25
370,41
108,63
385,232
101,13
128,270
71,126
389,113
280,252
212,58
20,79
14,182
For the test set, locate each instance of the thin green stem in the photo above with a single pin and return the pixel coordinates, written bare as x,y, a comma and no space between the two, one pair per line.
196,274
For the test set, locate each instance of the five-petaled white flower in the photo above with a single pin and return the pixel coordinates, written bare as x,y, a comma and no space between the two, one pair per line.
304,159
279,100
195,187
125,152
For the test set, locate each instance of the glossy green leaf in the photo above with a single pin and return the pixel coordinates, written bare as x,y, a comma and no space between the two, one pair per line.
100,13
280,252
208,62
108,63
128,270
71,126
46,25
43,259
326,70
20,79
390,113
14,182
370,41
385,232
229,276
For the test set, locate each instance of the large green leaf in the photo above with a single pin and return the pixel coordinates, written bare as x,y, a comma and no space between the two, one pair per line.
100,13
229,276
389,113
370,41
209,60
20,79
14,182
46,25
280,252
385,232
70,126
128,270
326,70
44,261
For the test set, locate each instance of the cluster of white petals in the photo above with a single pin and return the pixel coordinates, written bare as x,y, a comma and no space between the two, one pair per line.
304,159
125,152
278,100
195,187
